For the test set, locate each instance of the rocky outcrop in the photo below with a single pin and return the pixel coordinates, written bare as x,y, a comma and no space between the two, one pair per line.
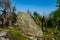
4,35
28,26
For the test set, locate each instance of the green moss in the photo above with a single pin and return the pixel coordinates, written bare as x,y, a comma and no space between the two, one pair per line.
48,35
22,38
14,31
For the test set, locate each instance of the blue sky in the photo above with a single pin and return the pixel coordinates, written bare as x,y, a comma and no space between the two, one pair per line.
41,6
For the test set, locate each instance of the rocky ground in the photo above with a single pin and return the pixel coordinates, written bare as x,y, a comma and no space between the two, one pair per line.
14,33
11,33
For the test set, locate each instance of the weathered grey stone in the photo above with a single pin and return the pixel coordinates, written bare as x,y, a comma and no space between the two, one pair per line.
2,38
28,26
3,33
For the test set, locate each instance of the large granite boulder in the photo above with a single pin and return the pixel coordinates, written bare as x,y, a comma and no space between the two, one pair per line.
28,26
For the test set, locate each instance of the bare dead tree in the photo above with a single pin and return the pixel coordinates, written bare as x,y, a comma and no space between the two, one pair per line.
8,13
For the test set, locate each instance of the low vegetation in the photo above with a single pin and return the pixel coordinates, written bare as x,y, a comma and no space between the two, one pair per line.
17,33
